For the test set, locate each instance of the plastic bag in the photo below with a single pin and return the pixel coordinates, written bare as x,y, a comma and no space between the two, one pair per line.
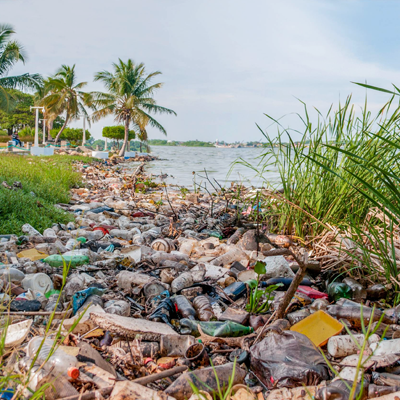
287,359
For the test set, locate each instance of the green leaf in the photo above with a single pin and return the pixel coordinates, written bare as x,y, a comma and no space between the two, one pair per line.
252,283
259,268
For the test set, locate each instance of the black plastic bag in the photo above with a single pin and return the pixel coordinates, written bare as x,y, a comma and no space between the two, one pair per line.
339,390
288,359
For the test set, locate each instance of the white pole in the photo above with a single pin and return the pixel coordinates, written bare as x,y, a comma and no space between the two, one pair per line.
44,130
105,146
84,133
37,128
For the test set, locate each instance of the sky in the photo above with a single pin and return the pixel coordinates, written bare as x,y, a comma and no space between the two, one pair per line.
224,63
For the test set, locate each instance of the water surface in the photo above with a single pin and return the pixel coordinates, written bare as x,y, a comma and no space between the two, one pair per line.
180,162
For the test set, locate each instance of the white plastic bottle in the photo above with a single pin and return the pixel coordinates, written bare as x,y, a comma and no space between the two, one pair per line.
63,363
38,282
342,346
386,347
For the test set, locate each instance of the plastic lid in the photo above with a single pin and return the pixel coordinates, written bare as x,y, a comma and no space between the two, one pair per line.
73,372
147,360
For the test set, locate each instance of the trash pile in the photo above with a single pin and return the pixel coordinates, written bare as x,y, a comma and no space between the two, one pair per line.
161,294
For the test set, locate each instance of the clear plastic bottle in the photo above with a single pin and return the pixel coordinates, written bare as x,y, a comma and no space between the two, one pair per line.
184,307
64,364
233,254
187,246
181,282
203,307
72,244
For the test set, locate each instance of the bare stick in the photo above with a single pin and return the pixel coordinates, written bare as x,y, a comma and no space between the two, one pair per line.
166,193
164,374
292,288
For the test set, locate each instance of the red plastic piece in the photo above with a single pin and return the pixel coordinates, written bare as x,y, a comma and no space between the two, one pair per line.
312,293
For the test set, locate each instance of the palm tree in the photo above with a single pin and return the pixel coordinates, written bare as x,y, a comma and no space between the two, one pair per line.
141,123
62,96
129,97
10,53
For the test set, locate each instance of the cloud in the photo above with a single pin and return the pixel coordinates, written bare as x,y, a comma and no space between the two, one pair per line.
224,62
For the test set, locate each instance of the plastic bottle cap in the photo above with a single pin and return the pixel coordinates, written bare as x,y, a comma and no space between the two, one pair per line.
147,360
73,372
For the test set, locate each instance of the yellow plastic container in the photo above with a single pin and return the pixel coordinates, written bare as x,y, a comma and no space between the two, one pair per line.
318,327
32,254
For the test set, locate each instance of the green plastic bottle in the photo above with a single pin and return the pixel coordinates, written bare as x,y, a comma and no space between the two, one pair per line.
338,290
56,260
214,328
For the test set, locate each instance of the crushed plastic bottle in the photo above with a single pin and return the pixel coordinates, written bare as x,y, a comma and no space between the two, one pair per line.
214,328
64,364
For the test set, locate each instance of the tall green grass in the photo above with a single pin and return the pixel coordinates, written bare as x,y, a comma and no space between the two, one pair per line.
344,174
45,181
321,186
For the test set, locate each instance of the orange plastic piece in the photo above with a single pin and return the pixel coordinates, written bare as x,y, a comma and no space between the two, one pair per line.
73,372
318,327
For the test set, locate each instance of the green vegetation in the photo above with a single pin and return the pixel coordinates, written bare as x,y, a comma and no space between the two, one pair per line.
190,143
161,142
61,94
18,114
129,98
45,182
11,52
73,135
354,388
117,133
259,299
343,178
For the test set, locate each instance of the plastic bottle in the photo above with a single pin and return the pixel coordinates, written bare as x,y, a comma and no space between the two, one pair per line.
359,293
353,314
378,391
342,346
236,290
72,244
376,292
38,282
210,379
162,245
187,245
386,347
12,275
233,254
214,328
56,260
236,236
338,290
184,307
160,256
181,282
64,364
203,308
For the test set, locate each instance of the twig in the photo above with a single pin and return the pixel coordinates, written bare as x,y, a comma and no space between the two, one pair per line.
164,374
293,286
166,193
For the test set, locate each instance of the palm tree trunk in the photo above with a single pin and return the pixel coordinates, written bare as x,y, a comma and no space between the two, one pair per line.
49,128
124,146
61,130
140,146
